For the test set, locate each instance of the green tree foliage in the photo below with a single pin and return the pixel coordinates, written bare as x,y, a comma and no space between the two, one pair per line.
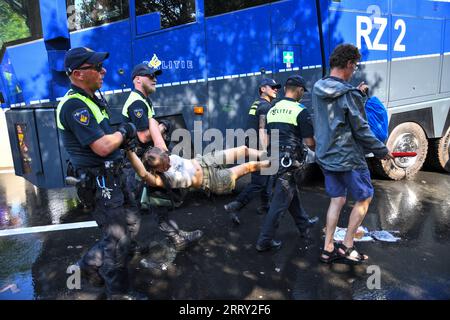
13,26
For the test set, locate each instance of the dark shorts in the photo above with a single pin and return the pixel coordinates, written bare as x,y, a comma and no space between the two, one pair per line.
357,182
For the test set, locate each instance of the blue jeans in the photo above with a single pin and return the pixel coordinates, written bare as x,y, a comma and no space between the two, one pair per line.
285,197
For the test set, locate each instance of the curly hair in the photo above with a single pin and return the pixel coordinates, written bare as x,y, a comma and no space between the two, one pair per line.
154,157
342,54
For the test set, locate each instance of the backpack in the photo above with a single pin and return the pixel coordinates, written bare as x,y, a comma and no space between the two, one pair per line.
377,118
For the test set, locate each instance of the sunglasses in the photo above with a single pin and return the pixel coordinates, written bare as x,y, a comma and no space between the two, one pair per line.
97,67
151,76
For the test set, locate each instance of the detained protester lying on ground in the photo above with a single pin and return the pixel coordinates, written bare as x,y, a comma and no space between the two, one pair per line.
206,172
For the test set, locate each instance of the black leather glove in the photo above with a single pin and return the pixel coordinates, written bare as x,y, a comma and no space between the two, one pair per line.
167,124
130,144
128,130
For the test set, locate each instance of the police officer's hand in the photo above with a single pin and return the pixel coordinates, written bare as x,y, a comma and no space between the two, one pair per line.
128,130
130,144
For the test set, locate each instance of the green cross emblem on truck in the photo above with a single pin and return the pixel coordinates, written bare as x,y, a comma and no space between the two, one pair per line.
288,57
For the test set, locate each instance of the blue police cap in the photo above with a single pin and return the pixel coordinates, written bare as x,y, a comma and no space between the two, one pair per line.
143,69
269,82
296,81
76,57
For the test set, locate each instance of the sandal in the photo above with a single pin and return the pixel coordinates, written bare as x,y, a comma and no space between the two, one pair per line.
351,255
330,256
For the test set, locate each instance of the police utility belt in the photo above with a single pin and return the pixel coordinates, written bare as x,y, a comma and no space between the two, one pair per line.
86,177
292,158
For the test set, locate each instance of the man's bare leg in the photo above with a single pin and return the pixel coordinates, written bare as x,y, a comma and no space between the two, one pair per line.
246,168
334,210
356,217
232,155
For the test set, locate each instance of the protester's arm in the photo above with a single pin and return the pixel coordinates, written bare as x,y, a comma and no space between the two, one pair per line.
149,178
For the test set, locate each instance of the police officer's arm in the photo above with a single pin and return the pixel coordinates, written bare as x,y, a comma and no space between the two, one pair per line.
156,136
149,178
77,117
261,112
105,145
263,137
306,129
138,115
310,142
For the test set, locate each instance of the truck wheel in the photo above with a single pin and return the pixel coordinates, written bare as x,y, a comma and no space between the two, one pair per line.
439,153
406,137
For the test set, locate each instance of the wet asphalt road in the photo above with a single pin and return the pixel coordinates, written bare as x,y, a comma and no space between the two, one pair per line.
225,264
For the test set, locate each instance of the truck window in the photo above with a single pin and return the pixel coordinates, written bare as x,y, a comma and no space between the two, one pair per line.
214,7
20,21
171,13
82,14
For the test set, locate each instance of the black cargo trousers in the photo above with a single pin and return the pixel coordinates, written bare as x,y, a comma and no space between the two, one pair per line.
119,220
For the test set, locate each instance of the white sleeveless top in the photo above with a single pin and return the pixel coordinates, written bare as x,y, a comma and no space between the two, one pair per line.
180,173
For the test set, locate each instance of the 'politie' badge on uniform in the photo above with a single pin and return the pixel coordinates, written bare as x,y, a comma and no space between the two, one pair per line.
138,113
82,116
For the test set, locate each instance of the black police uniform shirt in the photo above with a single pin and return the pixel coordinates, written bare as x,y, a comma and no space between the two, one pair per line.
78,135
138,113
290,135
261,110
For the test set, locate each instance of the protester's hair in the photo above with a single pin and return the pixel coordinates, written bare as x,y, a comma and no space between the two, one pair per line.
154,157
342,54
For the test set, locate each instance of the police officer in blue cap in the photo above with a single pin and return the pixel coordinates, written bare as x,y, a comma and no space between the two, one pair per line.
268,89
93,148
138,110
293,121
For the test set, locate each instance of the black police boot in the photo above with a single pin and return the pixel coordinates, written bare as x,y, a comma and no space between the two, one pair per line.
128,296
262,209
305,233
184,239
235,218
233,206
91,274
273,244
312,221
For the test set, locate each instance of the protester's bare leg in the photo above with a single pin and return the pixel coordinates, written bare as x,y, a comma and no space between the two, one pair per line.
232,155
246,168
334,210
356,217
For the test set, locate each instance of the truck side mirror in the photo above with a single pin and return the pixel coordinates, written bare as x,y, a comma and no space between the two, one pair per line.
2,100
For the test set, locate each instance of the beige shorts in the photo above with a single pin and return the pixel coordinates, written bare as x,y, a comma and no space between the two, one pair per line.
216,178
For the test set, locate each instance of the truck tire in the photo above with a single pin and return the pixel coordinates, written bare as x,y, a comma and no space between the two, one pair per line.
406,137
439,153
